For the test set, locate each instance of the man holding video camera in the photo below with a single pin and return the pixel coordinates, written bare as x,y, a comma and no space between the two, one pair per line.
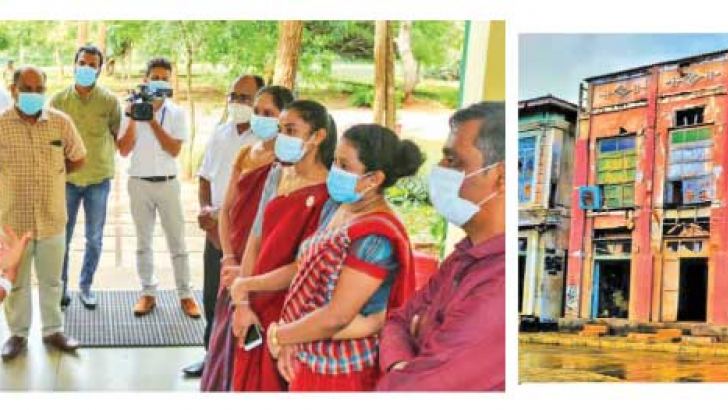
154,130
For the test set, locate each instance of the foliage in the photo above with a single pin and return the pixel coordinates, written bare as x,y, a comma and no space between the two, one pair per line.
411,199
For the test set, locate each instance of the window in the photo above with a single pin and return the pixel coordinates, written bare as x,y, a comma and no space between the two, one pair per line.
689,178
689,116
616,164
526,168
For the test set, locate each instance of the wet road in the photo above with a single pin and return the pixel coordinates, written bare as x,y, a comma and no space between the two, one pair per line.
546,363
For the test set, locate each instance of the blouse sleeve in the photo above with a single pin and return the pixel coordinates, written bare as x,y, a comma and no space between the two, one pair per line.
378,260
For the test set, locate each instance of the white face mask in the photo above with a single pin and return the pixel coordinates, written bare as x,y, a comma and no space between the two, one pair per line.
239,113
445,184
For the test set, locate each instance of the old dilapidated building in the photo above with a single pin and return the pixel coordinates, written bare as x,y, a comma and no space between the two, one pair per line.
649,224
545,155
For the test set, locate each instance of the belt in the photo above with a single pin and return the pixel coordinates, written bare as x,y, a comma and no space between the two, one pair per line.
157,179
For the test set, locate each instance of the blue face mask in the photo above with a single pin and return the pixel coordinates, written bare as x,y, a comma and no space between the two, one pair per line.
289,149
85,76
264,128
155,85
30,103
342,186
444,184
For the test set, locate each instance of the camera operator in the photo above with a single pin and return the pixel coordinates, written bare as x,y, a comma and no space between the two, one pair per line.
153,186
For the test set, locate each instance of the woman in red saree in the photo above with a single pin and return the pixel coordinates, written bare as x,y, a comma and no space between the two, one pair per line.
236,218
354,268
294,193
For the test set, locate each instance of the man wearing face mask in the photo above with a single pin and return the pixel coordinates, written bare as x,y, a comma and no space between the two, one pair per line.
153,187
450,335
214,176
96,112
38,147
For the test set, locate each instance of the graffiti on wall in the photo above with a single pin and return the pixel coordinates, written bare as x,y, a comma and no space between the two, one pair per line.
572,298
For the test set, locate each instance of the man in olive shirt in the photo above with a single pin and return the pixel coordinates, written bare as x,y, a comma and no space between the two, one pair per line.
97,115
38,148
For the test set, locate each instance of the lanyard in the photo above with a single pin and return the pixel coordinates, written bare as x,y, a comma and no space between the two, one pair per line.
164,112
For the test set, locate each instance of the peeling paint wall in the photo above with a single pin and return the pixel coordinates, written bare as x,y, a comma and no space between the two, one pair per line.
645,104
544,219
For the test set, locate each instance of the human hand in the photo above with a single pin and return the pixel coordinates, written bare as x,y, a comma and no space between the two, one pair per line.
243,318
287,364
206,220
229,273
12,248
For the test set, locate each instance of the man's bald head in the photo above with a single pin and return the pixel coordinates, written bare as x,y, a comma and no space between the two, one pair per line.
28,79
245,88
28,72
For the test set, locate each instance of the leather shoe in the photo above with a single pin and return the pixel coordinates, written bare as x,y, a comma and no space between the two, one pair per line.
144,305
61,342
194,370
13,347
189,306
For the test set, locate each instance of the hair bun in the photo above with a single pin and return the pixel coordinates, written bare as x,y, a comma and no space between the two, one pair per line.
409,158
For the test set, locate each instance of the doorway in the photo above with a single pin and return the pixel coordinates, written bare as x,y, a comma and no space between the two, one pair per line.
611,289
693,294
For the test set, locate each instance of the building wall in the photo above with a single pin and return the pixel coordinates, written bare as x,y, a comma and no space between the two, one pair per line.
546,226
645,104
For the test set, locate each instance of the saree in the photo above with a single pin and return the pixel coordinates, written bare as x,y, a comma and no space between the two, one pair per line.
287,221
343,365
217,371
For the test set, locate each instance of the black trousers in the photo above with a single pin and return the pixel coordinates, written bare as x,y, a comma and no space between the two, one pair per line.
212,258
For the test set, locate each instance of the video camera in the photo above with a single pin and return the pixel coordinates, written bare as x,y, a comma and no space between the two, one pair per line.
141,101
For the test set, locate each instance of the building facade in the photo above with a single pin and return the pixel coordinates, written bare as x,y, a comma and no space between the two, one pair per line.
649,226
545,161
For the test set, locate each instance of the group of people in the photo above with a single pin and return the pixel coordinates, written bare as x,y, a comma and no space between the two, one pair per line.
301,244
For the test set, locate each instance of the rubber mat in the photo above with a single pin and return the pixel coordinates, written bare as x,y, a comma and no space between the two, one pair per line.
113,324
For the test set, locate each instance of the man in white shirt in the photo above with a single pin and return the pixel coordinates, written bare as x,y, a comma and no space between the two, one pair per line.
214,175
153,186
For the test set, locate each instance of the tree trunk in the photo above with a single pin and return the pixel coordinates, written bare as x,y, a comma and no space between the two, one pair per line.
290,34
101,37
82,34
128,58
410,67
191,102
384,108
59,62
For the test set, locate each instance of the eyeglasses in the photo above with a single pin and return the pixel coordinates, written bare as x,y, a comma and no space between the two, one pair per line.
240,98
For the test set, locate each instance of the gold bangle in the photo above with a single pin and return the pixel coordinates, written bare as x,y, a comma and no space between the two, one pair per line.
274,335
244,302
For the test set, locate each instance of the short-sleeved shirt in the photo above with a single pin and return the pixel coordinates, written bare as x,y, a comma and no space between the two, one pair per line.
374,249
220,153
148,159
97,118
33,171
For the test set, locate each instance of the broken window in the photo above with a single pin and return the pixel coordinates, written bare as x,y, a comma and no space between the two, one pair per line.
616,165
526,168
689,116
689,178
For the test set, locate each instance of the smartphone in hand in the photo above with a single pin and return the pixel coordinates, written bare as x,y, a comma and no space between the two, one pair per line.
253,338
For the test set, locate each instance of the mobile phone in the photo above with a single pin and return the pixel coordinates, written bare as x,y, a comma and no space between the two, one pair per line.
253,338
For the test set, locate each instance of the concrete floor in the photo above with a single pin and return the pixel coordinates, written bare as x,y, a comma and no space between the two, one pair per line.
96,369
116,369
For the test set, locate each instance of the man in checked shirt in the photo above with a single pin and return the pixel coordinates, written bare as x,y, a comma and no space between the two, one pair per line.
38,147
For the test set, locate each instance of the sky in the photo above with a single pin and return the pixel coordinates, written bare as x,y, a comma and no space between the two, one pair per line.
556,63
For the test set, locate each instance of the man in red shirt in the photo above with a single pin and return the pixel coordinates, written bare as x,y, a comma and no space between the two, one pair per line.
450,336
